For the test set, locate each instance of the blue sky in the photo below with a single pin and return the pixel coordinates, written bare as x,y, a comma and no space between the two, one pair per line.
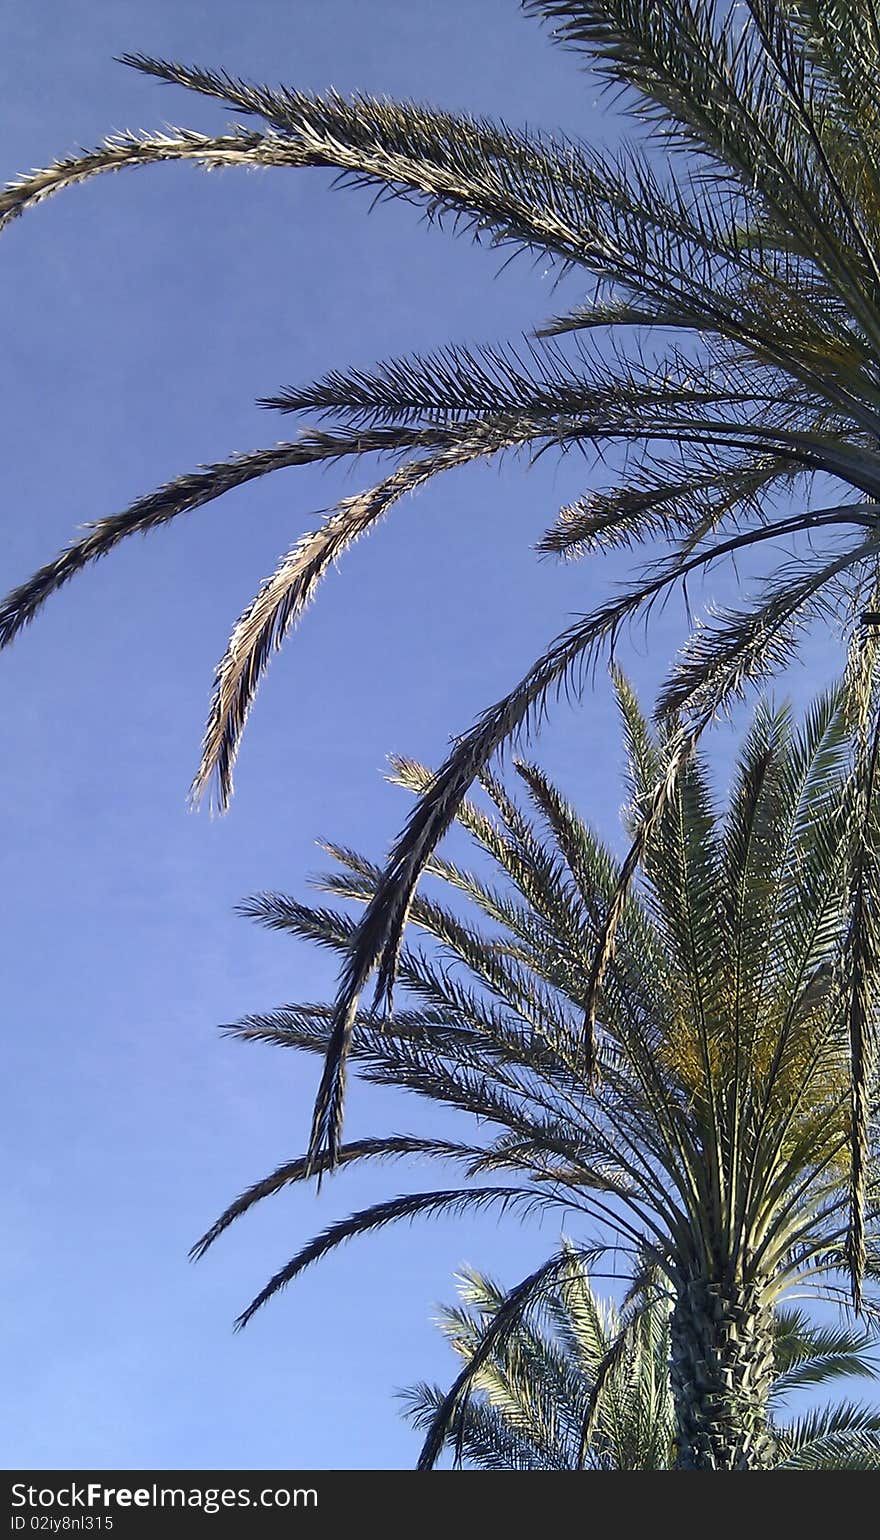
141,317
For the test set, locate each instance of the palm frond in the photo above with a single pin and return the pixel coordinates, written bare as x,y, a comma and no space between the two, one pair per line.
397,1146
182,495
409,1206
500,1328
843,1437
275,610
741,645
808,1354
123,151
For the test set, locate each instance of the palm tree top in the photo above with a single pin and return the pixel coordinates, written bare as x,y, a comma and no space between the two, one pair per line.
705,1140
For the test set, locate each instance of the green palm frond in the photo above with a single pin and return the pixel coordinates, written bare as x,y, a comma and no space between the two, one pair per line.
397,1147
842,1438
581,1384
408,1206
451,1413
808,1354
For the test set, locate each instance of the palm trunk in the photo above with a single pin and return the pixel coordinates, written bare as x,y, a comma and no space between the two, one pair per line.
722,1371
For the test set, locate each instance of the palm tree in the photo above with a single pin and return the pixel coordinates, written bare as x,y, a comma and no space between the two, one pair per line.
702,1137
751,240
576,1388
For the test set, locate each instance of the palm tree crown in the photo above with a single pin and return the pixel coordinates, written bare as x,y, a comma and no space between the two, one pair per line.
751,242
704,1135
580,1365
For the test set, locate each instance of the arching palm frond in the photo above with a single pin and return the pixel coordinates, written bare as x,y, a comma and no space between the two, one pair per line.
844,1437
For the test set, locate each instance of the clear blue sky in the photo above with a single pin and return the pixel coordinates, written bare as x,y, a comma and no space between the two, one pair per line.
141,317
